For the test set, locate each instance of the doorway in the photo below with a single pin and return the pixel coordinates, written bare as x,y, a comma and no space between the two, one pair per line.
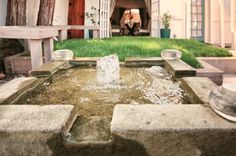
197,20
130,17
76,17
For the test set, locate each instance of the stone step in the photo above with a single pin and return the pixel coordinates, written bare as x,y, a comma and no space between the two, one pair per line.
48,69
213,73
178,68
197,88
172,129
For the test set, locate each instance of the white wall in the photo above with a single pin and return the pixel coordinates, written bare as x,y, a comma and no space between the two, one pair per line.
177,9
212,31
88,5
228,36
3,12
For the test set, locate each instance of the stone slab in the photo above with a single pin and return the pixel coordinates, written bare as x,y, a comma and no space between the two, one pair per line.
213,73
12,87
226,64
33,130
48,69
178,68
144,61
172,129
84,61
198,88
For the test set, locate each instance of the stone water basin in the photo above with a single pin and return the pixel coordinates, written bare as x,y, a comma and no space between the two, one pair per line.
95,102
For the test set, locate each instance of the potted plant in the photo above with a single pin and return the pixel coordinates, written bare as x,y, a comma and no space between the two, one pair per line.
93,17
166,18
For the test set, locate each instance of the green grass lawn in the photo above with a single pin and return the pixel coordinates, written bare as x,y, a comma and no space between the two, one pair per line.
141,47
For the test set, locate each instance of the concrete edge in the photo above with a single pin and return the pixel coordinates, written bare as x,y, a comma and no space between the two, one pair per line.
143,61
25,91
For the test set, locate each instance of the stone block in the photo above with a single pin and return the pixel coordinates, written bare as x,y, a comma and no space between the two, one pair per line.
168,130
33,130
197,88
48,69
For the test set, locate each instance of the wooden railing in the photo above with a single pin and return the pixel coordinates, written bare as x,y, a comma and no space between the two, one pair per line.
63,28
38,34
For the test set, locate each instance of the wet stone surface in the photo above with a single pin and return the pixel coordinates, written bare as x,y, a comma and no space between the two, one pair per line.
95,102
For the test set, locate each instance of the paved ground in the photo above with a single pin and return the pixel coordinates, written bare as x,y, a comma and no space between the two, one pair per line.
233,52
229,78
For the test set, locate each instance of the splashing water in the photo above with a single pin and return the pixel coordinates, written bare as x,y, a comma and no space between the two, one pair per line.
108,70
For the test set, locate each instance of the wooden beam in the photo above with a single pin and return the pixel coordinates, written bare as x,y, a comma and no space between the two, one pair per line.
27,32
222,23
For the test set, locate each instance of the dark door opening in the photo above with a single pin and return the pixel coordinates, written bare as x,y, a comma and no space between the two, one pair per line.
130,18
76,17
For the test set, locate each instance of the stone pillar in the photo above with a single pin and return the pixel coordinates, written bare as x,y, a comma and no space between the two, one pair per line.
211,21
207,33
187,19
232,17
222,23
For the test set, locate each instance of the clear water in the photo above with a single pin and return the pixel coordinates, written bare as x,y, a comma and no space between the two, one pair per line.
95,102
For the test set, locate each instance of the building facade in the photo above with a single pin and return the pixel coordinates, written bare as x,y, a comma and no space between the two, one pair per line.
209,21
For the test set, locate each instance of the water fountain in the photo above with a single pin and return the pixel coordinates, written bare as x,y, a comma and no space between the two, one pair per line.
108,70
141,90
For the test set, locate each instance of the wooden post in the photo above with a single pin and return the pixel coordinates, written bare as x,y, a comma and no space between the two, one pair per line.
46,12
60,37
26,46
35,47
222,23
95,33
61,34
48,49
16,12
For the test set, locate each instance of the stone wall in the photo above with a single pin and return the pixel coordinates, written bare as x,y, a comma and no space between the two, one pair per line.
7,49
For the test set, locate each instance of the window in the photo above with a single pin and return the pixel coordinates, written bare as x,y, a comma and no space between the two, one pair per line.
197,19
